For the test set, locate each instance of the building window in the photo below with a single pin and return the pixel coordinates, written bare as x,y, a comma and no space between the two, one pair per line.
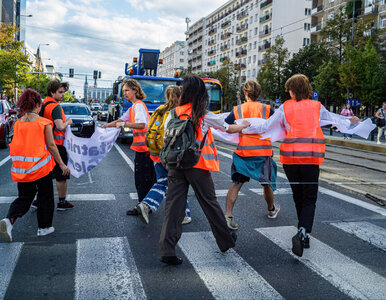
181,52
249,73
330,16
254,73
330,1
307,11
383,22
250,20
256,17
254,59
255,45
250,46
250,33
249,59
307,26
256,30
306,41
181,60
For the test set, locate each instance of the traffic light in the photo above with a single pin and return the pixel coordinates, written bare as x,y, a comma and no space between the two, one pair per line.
95,74
99,74
71,73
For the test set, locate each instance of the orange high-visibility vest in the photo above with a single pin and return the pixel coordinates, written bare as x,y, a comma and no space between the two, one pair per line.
31,159
252,144
139,135
48,106
304,143
208,159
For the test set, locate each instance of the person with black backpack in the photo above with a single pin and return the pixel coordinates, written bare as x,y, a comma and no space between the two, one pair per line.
189,152
380,122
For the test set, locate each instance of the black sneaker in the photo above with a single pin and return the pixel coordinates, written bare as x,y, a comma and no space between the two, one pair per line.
62,206
297,244
34,204
132,212
171,260
306,242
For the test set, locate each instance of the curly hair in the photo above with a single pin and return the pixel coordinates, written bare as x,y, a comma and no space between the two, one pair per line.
194,91
28,101
134,85
54,85
253,89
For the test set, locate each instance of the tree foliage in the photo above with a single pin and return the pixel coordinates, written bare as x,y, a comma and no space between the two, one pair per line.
271,75
68,97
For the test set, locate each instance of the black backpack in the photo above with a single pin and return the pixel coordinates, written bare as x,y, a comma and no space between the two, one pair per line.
180,149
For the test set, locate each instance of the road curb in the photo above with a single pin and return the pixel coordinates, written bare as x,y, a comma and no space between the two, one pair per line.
353,144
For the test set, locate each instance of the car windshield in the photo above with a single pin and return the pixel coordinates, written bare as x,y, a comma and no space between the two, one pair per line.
155,90
214,92
75,110
105,107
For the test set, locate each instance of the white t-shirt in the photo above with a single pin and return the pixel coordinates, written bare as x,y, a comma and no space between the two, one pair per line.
141,116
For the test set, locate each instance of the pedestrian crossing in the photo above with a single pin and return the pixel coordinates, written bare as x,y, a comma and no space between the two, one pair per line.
106,268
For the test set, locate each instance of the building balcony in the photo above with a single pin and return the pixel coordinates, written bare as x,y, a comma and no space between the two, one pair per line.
243,66
261,61
316,28
212,31
264,46
211,52
226,35
241,41
211,42
224,47
317,10
198,57
198,67
226,24
241,53
242,15
265,32
223,58
242,28
266,3
371,9
265,18
211,63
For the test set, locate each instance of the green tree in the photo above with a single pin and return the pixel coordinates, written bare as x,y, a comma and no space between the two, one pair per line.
108,99
270,76
35,81
68,97
327,84
307,61
13,62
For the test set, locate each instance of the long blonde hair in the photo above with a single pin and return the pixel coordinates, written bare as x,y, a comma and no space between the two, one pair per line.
172,95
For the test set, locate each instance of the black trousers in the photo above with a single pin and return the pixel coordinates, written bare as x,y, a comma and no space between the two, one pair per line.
27,192
144,174
202,184
305,180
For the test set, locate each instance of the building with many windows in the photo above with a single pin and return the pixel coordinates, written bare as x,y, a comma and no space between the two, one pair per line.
92,92
174,59
12,12
323,10
243,30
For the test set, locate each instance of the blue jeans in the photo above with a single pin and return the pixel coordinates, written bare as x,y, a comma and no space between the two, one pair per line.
157,193
347,135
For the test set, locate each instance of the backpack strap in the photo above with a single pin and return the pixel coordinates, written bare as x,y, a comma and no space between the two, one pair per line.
44,106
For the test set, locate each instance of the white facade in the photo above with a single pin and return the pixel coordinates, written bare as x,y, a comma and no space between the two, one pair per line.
175,58
243,30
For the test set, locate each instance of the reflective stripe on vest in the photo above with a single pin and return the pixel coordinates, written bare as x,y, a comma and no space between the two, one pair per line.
304,143
208,159
59,137
26,158
139,135
252,144
34,168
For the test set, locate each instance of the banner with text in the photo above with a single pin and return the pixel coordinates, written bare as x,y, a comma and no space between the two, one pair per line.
86,153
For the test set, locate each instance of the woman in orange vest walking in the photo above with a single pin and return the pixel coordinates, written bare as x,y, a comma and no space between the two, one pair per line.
137,117
302,151
253,155
33,151
194,103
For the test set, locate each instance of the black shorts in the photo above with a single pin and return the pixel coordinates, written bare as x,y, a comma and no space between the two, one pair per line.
57,172
238,177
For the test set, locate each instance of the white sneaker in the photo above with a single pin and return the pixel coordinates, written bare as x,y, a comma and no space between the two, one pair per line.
273,214
45,231
143,212
6,230
186,220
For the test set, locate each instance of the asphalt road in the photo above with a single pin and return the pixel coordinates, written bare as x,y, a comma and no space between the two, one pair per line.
97,252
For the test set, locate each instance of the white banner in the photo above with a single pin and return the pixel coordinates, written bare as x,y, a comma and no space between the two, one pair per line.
86,153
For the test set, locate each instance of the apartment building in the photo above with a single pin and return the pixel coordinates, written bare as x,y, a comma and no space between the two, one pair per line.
244,30
323,10
175,58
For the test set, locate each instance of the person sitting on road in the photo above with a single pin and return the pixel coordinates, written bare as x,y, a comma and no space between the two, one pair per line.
253,156
302,151
137,117
155,196
33,151
193,104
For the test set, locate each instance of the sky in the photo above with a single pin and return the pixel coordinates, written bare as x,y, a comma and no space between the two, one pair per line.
103,35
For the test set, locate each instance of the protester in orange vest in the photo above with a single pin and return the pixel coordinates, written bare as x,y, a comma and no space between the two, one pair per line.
302,151
253,155
52,110
158,191
137,117
194,103
33,151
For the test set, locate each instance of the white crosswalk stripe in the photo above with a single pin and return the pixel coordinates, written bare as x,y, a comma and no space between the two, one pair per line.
70,197
105,269
9,255
280,191
348,276
226,275
366,231
219,193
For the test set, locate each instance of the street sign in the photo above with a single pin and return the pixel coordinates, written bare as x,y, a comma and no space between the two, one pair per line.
315,96
277,101
354,102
